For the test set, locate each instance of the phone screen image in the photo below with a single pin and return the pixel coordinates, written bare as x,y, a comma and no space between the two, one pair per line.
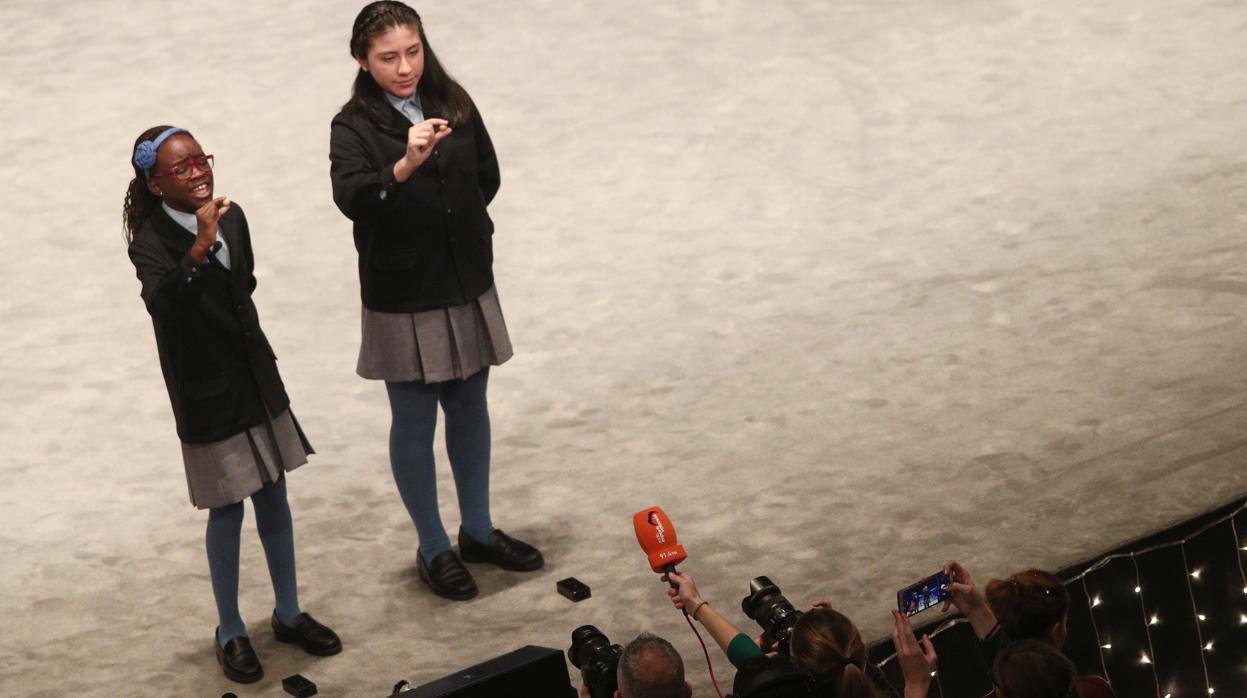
918,597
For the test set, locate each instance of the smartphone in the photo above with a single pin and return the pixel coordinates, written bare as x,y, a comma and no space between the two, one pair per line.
924,594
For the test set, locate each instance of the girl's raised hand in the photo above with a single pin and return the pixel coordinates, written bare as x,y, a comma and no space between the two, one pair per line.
207,217
422,137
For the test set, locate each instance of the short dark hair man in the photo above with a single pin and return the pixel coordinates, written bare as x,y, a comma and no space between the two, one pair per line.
649,668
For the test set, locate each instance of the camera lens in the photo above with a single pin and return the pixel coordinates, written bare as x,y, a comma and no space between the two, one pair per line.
596,658
586,641
766,605
762,592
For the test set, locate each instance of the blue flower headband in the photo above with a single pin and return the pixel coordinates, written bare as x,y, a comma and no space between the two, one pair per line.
145,152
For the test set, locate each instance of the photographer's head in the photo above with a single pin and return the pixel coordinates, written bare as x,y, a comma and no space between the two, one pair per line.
1030,605
651,668
1033,669
827,645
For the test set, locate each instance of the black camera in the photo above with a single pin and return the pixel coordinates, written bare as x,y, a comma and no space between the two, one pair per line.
766,605
597,659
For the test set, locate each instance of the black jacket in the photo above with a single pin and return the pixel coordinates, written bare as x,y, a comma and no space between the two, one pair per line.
425,243
218,366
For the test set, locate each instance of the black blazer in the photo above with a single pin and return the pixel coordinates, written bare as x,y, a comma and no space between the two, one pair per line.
218,366
425,243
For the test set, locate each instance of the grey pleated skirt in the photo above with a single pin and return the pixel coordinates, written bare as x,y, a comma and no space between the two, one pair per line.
230,470
432,346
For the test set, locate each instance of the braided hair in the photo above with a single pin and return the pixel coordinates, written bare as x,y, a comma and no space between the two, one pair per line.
439,93
140,201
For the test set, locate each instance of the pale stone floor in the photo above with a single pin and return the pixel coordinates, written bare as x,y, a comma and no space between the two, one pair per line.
848,288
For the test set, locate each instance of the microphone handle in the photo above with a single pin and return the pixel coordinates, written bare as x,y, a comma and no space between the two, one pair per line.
668,569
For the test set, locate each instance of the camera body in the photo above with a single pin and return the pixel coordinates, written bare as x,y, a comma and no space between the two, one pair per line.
766,605
597,659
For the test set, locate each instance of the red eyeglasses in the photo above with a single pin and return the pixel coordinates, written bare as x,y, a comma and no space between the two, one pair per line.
184,170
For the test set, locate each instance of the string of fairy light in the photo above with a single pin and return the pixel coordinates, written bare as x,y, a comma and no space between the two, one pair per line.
1148,656
1192,576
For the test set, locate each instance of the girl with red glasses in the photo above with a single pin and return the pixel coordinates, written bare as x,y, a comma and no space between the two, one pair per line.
192,253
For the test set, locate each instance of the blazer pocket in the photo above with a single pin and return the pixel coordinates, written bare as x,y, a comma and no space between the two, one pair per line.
396,260
204,388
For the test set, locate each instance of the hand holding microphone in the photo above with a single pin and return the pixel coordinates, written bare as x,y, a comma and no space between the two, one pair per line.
656,534
683,593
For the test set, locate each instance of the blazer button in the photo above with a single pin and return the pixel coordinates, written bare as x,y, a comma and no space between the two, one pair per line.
449,212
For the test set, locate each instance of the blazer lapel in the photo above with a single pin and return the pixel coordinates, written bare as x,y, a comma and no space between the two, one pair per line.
175,238
398,125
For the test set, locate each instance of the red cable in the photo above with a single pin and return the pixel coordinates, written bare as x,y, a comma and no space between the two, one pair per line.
704,651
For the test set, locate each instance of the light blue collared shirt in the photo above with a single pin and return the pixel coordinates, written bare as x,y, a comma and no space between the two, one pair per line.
188,221
409,107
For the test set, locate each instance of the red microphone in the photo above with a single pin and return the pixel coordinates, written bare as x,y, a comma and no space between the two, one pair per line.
656,534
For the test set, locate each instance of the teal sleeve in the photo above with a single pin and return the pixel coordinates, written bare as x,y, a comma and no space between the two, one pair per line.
741,649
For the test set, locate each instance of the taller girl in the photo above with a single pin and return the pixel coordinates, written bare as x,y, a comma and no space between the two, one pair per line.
414,168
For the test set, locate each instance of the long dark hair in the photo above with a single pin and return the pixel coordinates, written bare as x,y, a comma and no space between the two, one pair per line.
140,201
439,93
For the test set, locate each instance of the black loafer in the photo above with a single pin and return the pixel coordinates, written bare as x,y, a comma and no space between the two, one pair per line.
238,659
314,637
447,576
501,550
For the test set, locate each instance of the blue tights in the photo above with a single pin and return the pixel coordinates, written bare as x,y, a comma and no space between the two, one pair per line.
413,408
272,520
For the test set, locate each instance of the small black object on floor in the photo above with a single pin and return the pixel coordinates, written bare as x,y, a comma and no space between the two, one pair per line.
574,589
298,685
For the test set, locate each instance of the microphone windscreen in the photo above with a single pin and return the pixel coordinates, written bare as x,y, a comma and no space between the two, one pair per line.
656,534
